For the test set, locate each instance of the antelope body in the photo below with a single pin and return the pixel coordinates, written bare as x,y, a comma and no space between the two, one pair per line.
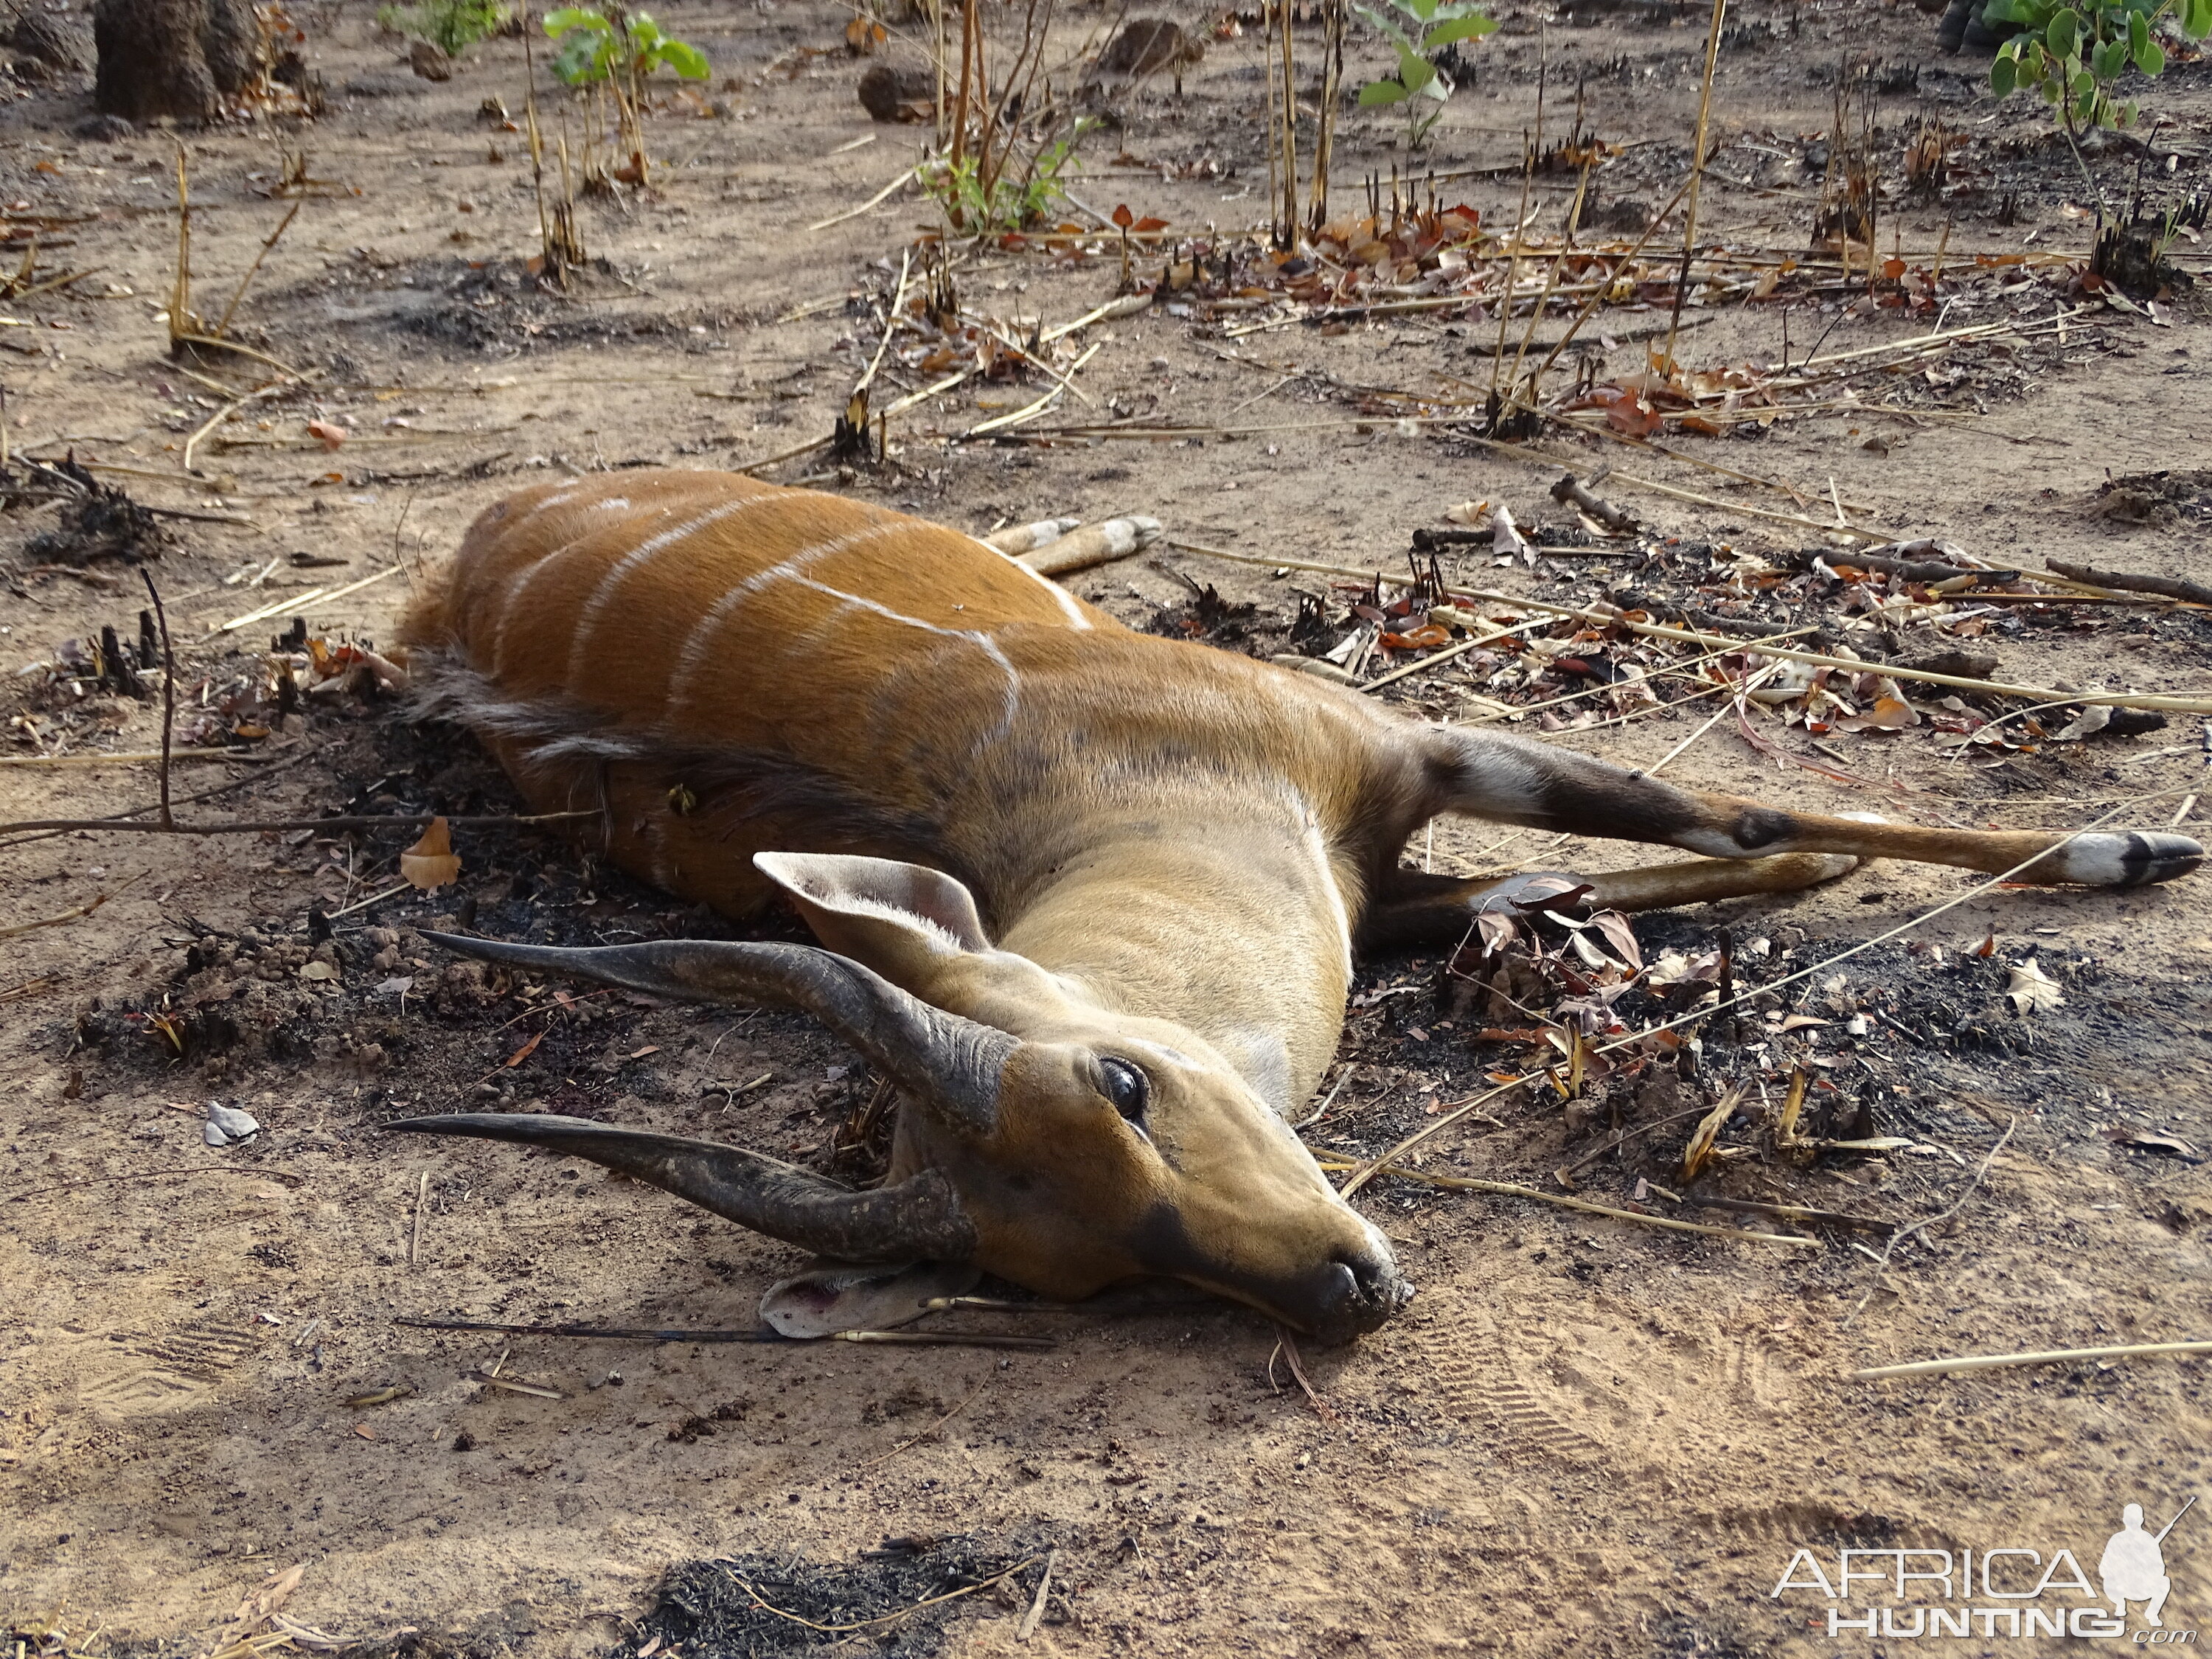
1089,896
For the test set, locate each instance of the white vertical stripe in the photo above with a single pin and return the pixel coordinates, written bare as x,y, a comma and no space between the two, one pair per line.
699,642
587,619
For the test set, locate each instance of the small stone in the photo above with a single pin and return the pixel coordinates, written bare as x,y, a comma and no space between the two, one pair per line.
226,1126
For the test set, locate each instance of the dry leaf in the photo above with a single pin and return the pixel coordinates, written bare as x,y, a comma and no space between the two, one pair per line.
2126,1134
2031,991
330,432
2091,720
1700,1152
1887,715
524,1052
318,970
431,862
1619,934
1468,513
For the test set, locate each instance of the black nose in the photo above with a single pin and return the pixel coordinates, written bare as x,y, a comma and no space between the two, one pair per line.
1356,1292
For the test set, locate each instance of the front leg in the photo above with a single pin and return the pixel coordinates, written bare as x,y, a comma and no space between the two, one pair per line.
1412,910
1514,781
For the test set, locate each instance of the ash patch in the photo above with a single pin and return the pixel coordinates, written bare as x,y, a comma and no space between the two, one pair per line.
708,1606
102,522
2161,500
495,306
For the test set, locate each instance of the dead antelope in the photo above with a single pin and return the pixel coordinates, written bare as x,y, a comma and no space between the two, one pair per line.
1089,897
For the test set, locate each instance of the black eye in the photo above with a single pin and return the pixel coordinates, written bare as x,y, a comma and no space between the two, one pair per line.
1124,1084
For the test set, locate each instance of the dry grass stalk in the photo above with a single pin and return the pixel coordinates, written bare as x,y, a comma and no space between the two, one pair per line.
1283,136
2048,1357
1697,171
1513,1189
183,325
222,323
1331,78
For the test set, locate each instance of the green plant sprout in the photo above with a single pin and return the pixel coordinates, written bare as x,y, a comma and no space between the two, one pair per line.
1000,205
452,26
1430,25
618,49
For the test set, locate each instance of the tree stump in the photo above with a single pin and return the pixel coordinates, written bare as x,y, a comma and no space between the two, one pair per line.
179,59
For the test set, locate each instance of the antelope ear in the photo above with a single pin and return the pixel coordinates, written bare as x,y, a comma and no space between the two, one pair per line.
905,920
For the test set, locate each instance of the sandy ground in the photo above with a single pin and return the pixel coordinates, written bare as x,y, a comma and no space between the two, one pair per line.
1581,1436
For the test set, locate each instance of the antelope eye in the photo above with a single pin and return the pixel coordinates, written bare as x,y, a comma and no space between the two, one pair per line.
1124,1084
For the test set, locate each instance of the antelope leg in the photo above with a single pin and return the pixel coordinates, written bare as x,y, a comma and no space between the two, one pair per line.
1514,781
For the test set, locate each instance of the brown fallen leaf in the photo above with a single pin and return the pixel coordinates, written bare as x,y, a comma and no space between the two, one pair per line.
1887,715
331,434
2126,1134
431,862
524,1052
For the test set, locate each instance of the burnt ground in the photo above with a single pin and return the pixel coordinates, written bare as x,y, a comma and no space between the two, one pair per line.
1583,1432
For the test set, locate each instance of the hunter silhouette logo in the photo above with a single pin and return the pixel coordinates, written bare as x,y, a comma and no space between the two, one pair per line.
2000,1590
2134,1566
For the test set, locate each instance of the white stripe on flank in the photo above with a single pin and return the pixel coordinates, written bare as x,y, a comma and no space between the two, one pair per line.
587,619
700,641
1061,597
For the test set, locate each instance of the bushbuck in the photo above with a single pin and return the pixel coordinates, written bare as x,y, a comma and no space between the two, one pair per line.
1089,897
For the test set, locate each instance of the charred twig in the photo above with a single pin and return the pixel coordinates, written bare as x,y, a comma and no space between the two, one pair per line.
1572,488
623,1333
168,679
2172,587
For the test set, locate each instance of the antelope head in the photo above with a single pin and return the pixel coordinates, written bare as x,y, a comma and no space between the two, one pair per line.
1044,1137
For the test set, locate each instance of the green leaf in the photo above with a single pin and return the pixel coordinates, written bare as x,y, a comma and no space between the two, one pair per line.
1398,37
1377,93
1438,86
2150,57
1460,29
1416,72
2196,20
686,59
2109,59
558,23
1424,10
2138,32
2064,33
2004,76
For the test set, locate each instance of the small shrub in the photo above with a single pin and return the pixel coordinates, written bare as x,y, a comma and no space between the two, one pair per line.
617,47
988,206
452,26
2073,52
